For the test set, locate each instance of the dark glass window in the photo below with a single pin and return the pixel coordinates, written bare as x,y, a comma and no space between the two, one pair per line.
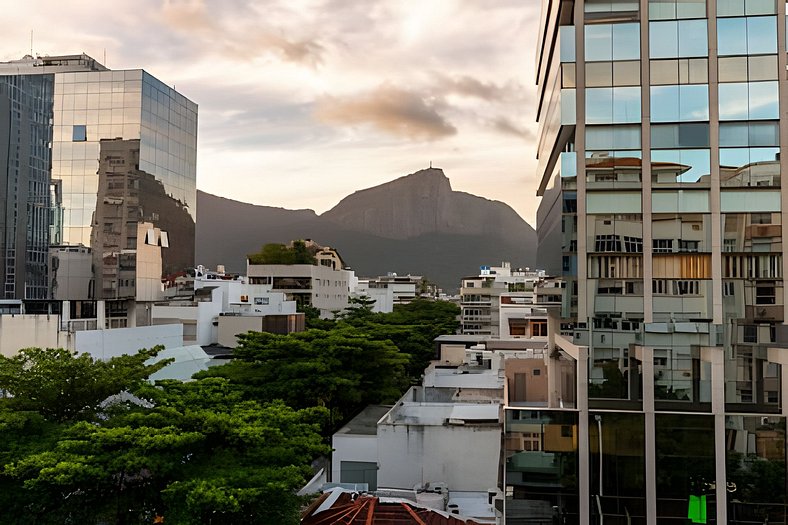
79,133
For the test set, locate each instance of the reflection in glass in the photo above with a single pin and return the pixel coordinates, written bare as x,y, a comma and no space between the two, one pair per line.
679,374
747,36
752,383
680,71
743,134
685,466
682,38
680,136
613,169
616,443
612,105
746,7
743,167
604,42
614,137
541,465
680,166
679,103
672,9
681,233
755,460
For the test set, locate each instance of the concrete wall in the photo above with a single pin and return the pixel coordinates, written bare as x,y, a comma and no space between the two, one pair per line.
231,325
27,331
464,456
352,448
104,344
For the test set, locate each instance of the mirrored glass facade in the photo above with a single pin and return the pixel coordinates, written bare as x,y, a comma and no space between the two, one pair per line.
669,179
116,179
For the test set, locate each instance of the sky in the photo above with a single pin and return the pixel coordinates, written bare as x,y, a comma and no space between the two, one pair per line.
302,102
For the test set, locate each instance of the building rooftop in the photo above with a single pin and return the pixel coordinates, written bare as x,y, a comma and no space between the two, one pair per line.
341,506
30,65
439,414
366,422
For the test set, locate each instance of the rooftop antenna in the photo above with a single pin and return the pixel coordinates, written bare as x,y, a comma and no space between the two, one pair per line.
31,42
430,164
105,56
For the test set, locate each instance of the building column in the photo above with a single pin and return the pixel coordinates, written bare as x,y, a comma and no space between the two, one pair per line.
646,357
583,448
716,356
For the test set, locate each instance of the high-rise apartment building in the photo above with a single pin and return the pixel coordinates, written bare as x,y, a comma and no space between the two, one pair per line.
661,129
102,165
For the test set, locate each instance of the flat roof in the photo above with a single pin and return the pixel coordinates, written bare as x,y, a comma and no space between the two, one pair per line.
366,422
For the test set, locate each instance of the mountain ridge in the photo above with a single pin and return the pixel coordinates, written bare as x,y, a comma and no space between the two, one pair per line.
413,224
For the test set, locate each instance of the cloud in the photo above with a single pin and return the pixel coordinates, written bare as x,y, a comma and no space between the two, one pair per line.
506,126
241,32
389,109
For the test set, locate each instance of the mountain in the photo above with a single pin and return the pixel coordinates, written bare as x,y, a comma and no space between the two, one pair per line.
415,224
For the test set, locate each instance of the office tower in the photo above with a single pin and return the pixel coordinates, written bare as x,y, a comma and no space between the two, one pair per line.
661,213
116,180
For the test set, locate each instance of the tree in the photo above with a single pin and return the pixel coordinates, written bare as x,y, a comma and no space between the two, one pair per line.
199,455
343,369
61,385
274,253
196,452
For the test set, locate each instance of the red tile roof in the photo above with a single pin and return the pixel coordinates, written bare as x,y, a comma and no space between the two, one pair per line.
353,509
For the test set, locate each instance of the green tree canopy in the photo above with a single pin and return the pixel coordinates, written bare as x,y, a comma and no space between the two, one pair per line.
274,253
343,369
61,385
194,452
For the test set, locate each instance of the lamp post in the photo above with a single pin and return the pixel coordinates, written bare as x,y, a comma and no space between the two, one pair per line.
598,419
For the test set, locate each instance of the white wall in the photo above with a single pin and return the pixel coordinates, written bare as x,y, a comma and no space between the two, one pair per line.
464,456
352,448
20,331
104,344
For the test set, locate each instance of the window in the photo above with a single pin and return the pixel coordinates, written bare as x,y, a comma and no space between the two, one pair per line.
633,244
765,293
749,134
745,7
681,38
680,71
750,334
682,166
609,74
679,103
673,9
614,137
747,36
688,246
619,105
680,136
79,133
662,245
607,243
728,288
539,328
743,68
605,42
762,101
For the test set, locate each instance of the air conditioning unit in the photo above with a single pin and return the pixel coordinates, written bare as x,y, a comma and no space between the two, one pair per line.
244,298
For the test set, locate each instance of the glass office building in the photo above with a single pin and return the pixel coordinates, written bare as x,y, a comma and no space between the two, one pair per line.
123,154
660,174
